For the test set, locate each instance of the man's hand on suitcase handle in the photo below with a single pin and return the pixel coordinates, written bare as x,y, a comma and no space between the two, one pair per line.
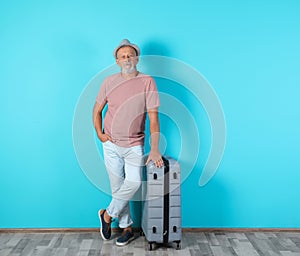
155,157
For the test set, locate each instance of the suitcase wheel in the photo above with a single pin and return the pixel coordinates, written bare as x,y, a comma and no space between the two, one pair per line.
150,246
178,245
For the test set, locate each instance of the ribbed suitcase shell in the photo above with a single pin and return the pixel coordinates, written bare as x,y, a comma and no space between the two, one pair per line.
161,218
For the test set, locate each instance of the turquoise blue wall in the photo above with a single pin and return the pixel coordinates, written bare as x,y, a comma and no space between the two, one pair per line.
247,50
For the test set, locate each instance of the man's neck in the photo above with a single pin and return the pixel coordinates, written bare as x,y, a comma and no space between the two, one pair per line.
130,75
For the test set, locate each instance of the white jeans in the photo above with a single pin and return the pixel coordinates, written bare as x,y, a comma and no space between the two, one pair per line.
124,166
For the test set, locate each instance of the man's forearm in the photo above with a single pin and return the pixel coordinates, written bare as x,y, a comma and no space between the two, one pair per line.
97,119
154,134
98,124
154,155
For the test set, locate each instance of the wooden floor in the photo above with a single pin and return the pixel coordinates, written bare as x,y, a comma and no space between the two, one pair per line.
193,243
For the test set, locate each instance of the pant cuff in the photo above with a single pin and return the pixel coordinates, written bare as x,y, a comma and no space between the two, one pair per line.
110,214
125,225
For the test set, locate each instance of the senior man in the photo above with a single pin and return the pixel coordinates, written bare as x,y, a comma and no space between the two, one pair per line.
130,95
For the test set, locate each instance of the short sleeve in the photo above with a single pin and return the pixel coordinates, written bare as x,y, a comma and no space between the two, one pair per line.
102,96
152,97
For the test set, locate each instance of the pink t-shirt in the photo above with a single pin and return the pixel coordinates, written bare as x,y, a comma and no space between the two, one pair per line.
128,101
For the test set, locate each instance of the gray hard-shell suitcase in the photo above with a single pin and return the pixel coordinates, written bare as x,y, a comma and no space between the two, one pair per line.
161,216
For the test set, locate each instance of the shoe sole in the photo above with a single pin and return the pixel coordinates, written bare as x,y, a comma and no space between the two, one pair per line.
99,215
125,243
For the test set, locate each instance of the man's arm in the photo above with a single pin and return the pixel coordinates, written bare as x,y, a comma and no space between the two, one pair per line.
97,120
154,155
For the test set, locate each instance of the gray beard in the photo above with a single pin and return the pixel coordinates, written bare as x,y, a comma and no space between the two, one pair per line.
129,70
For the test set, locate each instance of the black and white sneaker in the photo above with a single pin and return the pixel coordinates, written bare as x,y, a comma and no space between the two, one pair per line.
125,238
105,229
